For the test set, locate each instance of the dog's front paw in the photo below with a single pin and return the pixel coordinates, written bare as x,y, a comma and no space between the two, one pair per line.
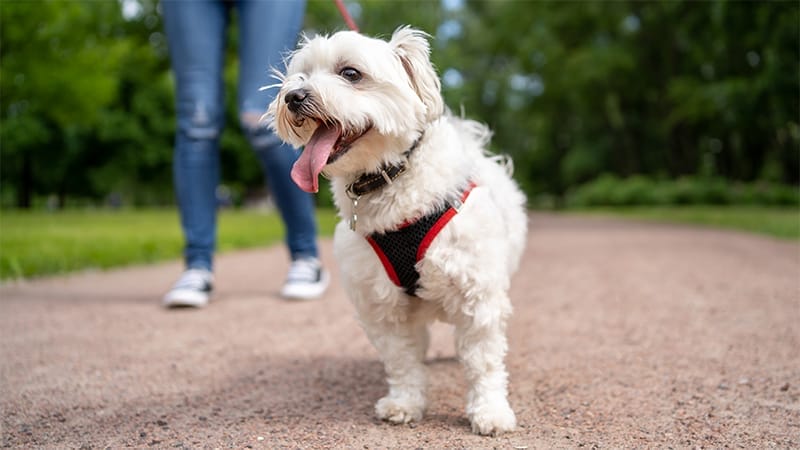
400,409
493,420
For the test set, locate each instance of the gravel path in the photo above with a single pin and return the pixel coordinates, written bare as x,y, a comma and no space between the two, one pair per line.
624,335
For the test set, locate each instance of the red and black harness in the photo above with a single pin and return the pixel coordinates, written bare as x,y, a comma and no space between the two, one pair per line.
400,250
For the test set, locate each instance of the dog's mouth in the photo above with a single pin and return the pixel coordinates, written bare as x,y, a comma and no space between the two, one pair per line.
345,142
328,143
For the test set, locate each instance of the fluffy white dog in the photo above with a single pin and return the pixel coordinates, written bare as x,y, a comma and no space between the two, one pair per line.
433,226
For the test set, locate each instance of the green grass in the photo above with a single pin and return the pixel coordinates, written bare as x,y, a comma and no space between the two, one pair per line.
34,244
41,243
779,222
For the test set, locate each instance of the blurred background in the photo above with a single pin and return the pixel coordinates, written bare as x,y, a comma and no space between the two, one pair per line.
601,104
622,102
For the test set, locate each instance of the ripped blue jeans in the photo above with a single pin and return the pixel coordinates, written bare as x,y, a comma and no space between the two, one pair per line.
196,33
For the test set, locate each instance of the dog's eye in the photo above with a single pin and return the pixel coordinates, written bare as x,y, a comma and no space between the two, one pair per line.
350,74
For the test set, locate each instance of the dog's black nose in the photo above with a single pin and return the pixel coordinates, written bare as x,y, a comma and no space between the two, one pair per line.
295,98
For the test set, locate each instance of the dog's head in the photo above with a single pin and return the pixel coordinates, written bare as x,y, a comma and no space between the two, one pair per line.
355,102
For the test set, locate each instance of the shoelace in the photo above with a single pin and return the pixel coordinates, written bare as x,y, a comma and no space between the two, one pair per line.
192,279
306,270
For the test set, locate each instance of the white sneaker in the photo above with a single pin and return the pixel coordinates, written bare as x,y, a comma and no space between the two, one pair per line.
306,280
193,288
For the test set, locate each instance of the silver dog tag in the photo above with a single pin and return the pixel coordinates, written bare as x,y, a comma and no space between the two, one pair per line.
354,217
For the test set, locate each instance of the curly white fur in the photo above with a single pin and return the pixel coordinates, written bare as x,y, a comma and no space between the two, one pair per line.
465,274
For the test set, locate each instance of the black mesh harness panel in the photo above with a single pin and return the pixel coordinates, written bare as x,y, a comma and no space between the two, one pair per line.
400,250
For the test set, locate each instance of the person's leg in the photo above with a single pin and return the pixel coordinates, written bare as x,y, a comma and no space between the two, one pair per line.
268,30
196,36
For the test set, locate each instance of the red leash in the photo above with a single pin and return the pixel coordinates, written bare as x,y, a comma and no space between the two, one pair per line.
346,15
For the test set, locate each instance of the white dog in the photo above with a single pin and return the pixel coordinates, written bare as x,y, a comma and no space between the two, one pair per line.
433,227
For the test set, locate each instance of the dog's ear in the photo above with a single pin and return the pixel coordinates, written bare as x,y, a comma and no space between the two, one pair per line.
411,46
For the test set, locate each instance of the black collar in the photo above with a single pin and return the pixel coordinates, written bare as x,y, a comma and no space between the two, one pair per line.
370,182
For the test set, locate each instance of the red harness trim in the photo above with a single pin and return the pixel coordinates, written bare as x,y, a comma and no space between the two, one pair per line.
387,265
440,224
430,234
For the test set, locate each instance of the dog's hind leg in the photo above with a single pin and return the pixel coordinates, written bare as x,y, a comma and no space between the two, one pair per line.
402,348
481,345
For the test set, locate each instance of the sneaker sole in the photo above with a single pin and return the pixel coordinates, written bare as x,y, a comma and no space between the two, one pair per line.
307,292
179,298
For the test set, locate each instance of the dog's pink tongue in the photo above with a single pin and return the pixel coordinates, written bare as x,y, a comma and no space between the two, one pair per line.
306,169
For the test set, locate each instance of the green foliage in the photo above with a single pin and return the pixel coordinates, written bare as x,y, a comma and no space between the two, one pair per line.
41,243
783,223
610,190
86,106
657,88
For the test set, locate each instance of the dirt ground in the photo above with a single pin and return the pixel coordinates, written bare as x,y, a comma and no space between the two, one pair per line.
624,335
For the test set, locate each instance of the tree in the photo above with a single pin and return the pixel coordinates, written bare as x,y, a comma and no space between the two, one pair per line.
577,89
59,72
